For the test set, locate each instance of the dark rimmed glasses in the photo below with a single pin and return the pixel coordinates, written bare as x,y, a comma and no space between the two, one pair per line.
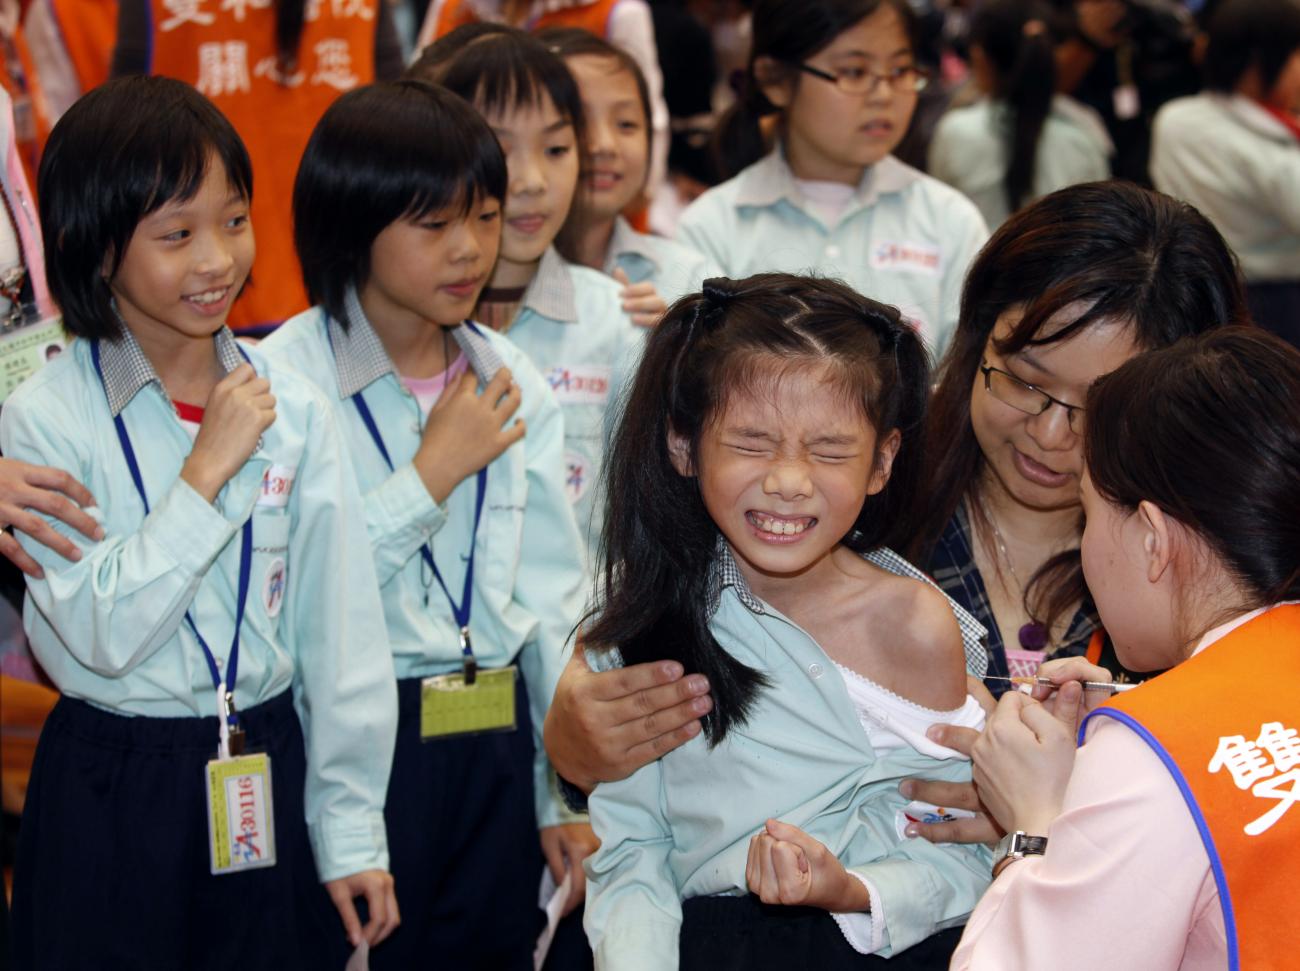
861,80
1010,390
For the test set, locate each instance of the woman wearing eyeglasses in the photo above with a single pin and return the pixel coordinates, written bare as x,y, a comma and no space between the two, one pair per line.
836,82
1066,290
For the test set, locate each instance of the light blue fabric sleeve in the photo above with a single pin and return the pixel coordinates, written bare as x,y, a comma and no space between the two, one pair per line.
344,690
401,517
127,595
705,227
634,913
966,234
922,888
551,580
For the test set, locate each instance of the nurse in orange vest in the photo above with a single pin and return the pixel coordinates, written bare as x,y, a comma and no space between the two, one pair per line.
272,69
1171,840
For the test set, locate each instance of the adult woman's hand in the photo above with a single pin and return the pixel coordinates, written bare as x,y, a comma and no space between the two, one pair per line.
1023,760
26,490
603,726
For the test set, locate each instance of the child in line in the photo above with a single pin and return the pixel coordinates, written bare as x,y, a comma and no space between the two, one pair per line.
768,450
616,112
839,79
397,214
1020,140
225,594
567,319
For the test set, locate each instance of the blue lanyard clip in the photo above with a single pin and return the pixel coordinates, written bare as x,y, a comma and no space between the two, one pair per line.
471,665
231,715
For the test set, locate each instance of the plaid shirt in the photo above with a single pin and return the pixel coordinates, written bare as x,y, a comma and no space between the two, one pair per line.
952,564
973,635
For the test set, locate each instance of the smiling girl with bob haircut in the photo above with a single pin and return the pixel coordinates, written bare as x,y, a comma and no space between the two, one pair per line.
458,448
768,451
568,319
224,601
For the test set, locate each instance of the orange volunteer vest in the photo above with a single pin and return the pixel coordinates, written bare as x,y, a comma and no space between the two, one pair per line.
226,49
88,29
1230,738
592,17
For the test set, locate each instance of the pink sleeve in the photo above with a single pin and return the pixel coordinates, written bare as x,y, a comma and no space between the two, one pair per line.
1125,882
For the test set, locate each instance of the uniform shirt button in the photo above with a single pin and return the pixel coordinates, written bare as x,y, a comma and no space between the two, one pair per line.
816,670
832,252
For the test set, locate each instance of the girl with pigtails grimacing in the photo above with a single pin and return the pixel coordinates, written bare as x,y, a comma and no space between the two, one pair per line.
766,458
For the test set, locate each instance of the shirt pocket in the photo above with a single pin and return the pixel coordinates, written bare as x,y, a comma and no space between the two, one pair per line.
269,576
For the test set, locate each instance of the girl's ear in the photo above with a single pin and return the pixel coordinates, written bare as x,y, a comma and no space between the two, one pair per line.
774,80
886,452
679,453
1157,533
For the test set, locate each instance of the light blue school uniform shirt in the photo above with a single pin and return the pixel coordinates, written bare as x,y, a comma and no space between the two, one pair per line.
903,239
571,324
110,628
528,584
674,268
970,152
680,827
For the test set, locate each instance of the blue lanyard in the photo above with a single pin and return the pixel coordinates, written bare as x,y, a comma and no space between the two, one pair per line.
245,566
462,610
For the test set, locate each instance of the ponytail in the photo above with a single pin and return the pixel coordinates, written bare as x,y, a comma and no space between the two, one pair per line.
738,140
1015,38
290,19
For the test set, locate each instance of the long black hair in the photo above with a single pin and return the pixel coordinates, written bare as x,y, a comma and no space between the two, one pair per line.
659,546
789,32
1207,430
1123,252
1014,36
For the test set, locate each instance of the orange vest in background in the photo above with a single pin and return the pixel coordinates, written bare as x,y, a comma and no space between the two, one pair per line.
1226,723
227,50
592,17
88,29
31,115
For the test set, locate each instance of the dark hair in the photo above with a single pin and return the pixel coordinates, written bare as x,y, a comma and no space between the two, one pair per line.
789,32
1250,33
566,42
1127,254
659,545
1014,36
120,153
1206,430
498,68
380,153
290,19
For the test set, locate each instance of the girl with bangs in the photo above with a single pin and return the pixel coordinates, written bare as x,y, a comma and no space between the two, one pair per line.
227,706
768,454
567,319
458,449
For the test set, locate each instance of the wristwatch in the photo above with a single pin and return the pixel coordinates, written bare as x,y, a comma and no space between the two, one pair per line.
1017,846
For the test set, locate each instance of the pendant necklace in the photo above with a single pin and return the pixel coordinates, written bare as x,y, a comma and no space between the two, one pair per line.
1033,635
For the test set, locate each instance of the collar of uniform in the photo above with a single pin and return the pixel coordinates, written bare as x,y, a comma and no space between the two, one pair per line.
727,574
127,370
360,358
627,240
770,180
551,291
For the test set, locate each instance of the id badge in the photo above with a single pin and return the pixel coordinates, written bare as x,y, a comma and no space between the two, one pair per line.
241,825
449,707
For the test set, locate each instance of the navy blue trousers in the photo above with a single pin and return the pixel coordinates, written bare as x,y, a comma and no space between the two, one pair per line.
745,934
113,870
462,838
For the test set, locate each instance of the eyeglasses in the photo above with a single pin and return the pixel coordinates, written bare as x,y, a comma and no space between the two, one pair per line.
860,80
1010,390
